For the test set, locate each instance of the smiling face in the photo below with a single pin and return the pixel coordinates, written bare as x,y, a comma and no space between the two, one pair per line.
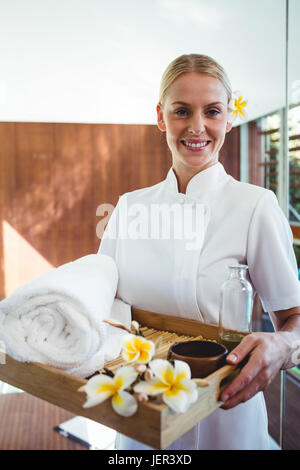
194,116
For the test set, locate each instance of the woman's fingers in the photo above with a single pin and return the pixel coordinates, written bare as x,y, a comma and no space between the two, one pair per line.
242,350
257,362
245,377
259,383
265,353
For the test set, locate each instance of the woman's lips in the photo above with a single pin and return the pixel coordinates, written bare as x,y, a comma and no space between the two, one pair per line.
195,145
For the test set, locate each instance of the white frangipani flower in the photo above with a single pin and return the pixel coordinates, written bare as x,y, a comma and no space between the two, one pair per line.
237,106
137,349
173,382
101,387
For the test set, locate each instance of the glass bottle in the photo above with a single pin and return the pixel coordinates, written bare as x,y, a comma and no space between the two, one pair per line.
236,307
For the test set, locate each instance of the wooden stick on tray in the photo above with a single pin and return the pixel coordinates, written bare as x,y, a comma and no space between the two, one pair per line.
167,339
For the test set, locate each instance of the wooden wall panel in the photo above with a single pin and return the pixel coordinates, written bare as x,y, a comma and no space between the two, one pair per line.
54,176
296,231
73,182
255,154
230,153
7,186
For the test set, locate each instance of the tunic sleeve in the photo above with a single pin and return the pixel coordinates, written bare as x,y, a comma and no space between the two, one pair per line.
271,258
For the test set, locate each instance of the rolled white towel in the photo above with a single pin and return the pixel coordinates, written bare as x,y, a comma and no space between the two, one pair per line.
57,319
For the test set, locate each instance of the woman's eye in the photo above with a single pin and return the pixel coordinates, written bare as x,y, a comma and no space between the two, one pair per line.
213,112
181,112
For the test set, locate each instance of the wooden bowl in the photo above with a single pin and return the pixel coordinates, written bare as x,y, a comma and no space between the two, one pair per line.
203,357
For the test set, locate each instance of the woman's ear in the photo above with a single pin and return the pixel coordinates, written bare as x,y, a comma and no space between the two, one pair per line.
228,126
160,118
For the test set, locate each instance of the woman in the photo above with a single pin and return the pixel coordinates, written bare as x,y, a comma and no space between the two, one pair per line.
239,222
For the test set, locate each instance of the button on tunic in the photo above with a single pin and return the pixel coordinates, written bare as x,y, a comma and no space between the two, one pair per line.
178,269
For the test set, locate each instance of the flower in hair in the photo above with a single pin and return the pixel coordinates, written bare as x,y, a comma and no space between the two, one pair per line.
237,106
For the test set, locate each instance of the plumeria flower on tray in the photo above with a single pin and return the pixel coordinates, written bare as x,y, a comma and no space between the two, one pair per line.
237,106
173,382
143,379
137,349
101,387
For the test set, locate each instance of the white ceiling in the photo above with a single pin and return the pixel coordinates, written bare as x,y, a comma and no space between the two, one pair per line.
101,61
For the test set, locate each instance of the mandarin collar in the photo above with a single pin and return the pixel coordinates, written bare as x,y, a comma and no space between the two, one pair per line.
204,181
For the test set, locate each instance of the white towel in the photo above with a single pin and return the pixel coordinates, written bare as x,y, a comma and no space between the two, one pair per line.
56,319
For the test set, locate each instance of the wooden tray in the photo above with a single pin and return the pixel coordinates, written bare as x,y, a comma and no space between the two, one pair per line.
154,423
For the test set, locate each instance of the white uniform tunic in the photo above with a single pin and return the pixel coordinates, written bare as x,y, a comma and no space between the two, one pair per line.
240,223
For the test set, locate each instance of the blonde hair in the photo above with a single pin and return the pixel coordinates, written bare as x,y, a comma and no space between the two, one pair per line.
193,63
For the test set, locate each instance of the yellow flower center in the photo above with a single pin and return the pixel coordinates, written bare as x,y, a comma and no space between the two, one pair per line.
239,104
107,387
119,383
138,343
118,399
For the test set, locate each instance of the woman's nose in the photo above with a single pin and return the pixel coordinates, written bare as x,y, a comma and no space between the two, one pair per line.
197,125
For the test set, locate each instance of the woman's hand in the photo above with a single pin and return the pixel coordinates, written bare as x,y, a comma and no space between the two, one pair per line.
268,353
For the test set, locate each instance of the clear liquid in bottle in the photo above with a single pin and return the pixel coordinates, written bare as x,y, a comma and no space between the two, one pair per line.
236,307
